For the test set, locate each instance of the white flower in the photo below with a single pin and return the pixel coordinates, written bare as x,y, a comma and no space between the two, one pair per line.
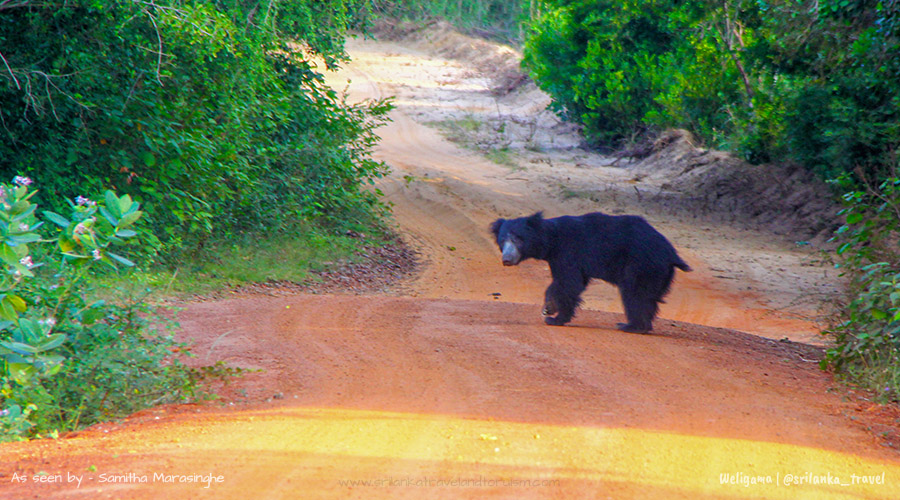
22,180
26,261
97,255
4,413
81,200
23,227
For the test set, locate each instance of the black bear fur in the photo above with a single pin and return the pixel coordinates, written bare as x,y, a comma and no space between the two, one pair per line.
624,250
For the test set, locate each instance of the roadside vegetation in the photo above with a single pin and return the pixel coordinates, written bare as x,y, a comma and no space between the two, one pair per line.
68,357
495,19
810,83
231,162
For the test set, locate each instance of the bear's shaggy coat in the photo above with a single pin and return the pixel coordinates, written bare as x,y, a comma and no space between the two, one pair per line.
624,250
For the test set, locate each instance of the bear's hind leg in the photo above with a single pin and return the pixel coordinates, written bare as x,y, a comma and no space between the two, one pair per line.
640,316
639,308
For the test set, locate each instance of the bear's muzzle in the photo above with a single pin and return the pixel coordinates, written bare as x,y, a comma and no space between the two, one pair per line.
511,255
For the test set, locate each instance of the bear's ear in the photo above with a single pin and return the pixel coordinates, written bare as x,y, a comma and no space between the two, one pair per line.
495,227
535,220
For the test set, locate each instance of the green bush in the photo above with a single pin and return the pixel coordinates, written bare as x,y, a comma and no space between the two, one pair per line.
623,68
68,359
775,80
866,334
214,113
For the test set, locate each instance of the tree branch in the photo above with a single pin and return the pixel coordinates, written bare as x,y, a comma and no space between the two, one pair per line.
11,74
11,4
159,52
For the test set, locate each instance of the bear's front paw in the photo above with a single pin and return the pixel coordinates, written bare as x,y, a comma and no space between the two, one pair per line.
550,320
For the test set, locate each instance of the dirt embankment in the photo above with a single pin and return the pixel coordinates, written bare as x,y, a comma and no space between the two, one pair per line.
783,199
500,62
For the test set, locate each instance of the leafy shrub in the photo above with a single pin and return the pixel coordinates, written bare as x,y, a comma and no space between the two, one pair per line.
213,113
622,69
68,359
775,80
867,333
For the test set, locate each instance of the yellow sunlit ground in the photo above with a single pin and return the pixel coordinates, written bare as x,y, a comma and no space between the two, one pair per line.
707,466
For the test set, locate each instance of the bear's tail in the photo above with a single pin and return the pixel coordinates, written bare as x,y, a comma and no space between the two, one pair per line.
680,264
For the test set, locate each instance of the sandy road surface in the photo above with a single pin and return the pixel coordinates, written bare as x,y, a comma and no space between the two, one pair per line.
441,390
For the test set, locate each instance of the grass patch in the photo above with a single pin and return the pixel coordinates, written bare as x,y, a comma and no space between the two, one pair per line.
289,256
567,193
464,131
878,373
458,130
502,156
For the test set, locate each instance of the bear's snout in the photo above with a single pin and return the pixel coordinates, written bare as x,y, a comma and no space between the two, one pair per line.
511,255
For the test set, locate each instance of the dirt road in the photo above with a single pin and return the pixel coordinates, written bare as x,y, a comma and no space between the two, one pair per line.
450,386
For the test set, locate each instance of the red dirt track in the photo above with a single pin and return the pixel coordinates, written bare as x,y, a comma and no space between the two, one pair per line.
439,389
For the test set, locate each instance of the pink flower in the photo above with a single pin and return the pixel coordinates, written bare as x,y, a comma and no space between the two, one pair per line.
22,180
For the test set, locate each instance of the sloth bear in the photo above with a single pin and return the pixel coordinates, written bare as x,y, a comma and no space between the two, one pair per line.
623,250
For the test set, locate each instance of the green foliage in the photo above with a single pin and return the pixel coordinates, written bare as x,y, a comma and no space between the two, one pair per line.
67,359
293,256
771,80
616,66
205,110
867,334
501,19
